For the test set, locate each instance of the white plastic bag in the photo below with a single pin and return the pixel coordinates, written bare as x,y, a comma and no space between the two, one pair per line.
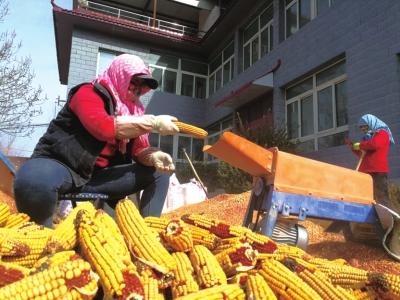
193,192
64,208
174,197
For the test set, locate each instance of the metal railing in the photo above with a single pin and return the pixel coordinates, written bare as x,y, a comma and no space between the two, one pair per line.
144,20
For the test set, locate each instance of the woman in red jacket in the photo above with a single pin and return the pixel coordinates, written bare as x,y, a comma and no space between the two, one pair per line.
91,145
375,143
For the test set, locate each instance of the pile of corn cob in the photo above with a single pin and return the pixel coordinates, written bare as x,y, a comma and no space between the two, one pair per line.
92,256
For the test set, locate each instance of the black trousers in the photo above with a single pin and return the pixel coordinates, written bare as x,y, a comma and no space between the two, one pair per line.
381,190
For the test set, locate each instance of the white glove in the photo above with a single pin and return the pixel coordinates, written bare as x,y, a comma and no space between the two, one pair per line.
162,162
163,125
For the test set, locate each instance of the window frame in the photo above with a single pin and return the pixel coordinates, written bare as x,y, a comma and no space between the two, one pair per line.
313,12
316,135
258,36
212,77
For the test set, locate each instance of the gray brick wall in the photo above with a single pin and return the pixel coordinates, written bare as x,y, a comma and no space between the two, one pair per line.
365,32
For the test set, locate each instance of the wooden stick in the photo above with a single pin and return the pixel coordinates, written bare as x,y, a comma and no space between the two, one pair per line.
360,159
195,173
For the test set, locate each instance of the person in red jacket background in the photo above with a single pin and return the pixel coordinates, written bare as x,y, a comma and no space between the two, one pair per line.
375,143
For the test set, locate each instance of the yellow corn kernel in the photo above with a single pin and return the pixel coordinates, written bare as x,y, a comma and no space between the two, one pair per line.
184,281
17,219
259,242
292,251
4,213
109,223
140,238
208,271
10,246
52,260
218,227
35,237
65,235
285,283
201,236
156,223
343,275
225,244
258,289
192,130
315,279
151,287
178,236
220,292
110,259
35,286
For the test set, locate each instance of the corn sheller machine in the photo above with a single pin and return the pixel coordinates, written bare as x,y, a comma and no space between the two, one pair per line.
288,188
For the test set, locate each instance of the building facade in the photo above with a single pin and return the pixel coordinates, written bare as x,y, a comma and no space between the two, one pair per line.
315,66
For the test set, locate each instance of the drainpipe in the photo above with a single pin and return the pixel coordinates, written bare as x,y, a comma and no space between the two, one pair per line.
154,13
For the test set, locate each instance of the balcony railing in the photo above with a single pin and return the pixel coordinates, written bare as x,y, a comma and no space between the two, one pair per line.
144,20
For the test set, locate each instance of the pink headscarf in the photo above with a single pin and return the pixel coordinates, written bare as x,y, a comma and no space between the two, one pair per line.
117,77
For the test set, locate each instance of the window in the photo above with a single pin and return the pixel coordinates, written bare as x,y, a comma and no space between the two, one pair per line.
257,37
173,144
180,76
221,69
214,134
316,109
104,59
299,12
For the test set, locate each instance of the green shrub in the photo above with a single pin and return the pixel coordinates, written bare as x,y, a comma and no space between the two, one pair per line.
207,172
234,180
394,196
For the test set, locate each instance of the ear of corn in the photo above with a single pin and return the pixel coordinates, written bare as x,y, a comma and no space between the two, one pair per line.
108,258
225,244
65,235
156,223
220,292
316,279
10,246
178,236
55,283
292,251
258,288
4,213
192,130
385,286
184,281
236,258
151,287
15,220
259,242
145,270
218,227
109,223
140,238
208,271
201,236
339,274
284,283
35,237
52,260
10,272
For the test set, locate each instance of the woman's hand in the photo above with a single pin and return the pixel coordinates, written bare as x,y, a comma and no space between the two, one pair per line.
164,125
162,162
